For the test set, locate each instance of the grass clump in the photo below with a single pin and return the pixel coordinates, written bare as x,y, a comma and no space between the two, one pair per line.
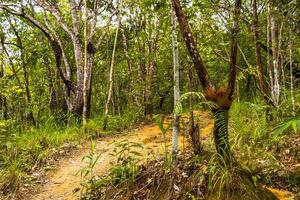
269,149
123,171
25,151
191,178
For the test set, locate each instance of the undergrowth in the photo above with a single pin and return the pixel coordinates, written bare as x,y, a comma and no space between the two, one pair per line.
257,143
123,171
26,151
269,149
191,178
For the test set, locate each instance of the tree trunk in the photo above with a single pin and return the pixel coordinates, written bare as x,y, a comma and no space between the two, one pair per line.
280,58
150,73
292,84
221,133
3,102
29,115
130,70
4,106
110,87
85,68
194,130
91,57
52,92
276,64
142,68
223,97
148,91
176,83
261,79
191,45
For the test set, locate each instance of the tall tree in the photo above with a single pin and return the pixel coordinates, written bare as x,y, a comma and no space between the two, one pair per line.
222,97
193,128
111,79
261,78
292,82
151,69
74,89
19,43
49,76
176,81
3,102
86,70
130,67
276,64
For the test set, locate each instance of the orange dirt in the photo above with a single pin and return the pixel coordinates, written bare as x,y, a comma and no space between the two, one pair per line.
282,195
64,183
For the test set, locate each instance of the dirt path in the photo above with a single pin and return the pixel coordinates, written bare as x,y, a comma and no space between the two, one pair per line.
64,182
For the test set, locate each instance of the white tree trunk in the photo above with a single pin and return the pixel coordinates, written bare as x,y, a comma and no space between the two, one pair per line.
276,64
270,68
110,88
291,73
280,57
176,82
85,69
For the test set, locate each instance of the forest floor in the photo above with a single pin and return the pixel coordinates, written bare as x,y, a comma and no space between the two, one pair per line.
64,182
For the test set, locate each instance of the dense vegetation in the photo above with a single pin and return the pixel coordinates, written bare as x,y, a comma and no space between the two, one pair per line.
75,70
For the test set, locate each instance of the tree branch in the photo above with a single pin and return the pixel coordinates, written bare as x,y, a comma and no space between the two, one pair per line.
191,45
75,17
54,44
234,49
54,10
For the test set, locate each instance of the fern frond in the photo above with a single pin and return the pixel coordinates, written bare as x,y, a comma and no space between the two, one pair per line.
293,123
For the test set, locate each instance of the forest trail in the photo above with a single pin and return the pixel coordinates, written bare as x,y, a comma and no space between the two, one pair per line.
64,183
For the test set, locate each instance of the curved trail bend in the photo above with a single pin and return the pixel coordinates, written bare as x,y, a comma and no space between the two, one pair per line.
63,183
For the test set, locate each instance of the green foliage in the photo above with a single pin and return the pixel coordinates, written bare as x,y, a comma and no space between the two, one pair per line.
121,122
124,167
24,150
220,176
253,136
290,124
127,156
159,120
13,175
91,162
89,178
26,144
249,121
179,108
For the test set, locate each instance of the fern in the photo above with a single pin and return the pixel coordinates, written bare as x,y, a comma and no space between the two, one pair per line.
178,109
293,123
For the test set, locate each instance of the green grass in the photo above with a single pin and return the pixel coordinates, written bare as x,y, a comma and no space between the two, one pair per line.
258,143
25,149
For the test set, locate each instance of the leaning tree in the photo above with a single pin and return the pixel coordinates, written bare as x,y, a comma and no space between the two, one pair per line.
241,185
223,96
